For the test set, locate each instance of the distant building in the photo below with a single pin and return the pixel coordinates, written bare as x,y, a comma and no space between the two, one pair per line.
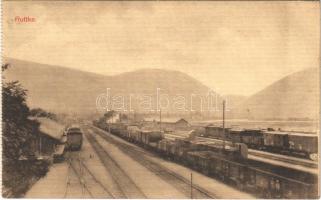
118,118
167,123
113,119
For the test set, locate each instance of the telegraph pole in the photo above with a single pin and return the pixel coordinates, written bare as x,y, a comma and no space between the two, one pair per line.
224,125
160,120
191,185
109,126
135,116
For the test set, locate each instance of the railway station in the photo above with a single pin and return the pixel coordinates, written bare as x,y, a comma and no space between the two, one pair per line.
129,160
161,99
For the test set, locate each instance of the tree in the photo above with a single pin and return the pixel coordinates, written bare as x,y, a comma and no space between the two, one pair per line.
102,120
17,128
109,114
18,132
14,104
39,112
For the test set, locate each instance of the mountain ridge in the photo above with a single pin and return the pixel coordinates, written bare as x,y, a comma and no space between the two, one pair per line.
62,89
294,96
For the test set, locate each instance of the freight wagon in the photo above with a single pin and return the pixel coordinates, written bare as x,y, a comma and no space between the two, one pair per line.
304,143
270,140
275,140
253,138
133,134
266,179
148,137
216,132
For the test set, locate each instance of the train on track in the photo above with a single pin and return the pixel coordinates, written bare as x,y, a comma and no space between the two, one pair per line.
226,160
74,138
305,144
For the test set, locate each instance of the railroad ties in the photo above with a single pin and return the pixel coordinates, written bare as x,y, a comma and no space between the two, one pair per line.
260,173
79,174
180,183
126,186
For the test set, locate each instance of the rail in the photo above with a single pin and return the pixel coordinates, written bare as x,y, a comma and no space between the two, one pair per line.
125,184
140,156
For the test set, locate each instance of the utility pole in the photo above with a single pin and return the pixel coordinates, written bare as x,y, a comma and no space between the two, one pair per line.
108,122
135,116
191,185
224,125
160,120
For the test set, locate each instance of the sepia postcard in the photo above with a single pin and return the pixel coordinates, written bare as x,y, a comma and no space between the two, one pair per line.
160,99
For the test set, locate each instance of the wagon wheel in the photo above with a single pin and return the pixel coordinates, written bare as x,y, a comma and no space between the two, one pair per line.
313,156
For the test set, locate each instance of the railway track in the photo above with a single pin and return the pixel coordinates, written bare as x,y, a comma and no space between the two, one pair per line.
90,185
126,186
179,182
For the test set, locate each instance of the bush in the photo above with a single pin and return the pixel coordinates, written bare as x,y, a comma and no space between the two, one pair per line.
18,132
38,112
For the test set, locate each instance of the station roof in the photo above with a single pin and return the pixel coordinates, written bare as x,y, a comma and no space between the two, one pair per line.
51,128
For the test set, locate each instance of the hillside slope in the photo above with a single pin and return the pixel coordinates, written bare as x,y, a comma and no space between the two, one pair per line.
295,96
62,89
55,88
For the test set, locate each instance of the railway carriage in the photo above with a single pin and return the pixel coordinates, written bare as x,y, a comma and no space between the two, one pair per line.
227,170
272,185
161,146
275,140
151,136
298,143
304,143
266,179
253,138
235,135
74,138
266,182
123,133
216,132
150,139
182,150
214,164
169,149
134,134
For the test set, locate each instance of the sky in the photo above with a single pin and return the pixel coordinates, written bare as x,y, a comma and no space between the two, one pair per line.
232,47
